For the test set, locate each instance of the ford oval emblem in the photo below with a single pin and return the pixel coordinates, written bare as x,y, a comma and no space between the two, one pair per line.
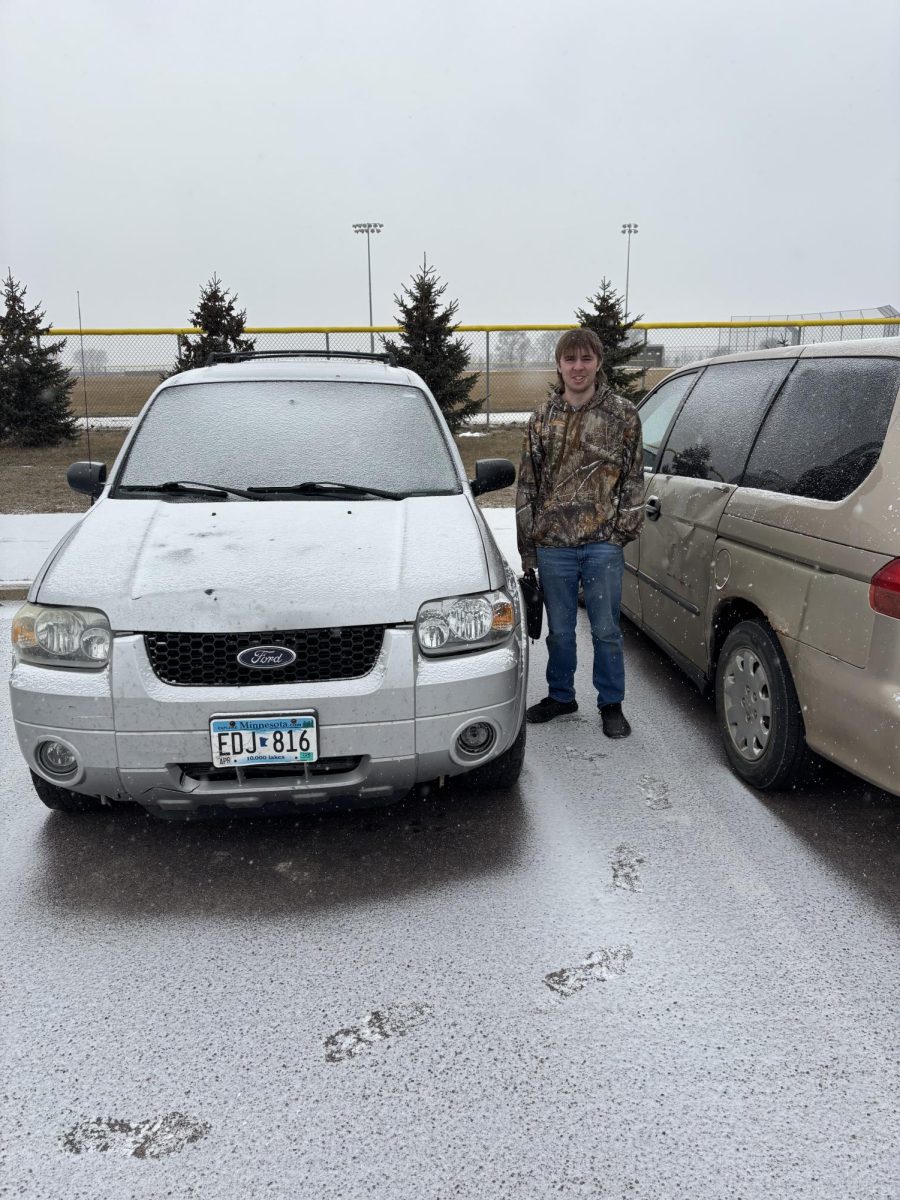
266,658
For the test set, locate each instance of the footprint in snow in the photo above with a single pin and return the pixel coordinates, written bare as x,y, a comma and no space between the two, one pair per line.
656,793
135,1139
625,862
375,1027
591,756
596,968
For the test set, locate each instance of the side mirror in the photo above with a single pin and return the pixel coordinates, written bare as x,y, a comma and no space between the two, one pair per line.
87,477
491,474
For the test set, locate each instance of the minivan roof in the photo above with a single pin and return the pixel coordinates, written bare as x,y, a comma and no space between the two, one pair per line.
319,369
865,347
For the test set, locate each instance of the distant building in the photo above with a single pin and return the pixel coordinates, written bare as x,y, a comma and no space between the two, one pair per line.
651,355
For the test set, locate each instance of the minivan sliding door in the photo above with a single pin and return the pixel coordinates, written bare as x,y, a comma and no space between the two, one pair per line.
656,413
702,463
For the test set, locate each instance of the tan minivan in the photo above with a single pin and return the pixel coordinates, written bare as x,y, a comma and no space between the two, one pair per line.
769,565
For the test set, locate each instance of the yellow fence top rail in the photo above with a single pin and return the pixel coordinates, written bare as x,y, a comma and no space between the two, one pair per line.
52,331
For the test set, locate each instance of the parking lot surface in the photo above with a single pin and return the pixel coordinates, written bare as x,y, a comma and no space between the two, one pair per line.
631,977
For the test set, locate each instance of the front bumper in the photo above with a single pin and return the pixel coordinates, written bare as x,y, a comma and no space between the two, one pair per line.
138,739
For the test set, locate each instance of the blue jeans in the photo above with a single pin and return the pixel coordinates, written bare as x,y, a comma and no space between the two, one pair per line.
600,567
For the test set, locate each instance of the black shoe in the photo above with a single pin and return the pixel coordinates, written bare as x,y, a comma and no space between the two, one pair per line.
614,723
549,708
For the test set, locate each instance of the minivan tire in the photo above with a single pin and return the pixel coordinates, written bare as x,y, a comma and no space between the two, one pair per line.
62,799
752,675
501,772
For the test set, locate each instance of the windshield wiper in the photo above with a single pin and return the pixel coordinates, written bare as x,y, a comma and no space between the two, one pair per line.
329,487
188,485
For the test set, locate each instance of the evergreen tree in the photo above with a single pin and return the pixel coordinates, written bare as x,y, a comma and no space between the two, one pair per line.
428,347
222,328
607,317
34,385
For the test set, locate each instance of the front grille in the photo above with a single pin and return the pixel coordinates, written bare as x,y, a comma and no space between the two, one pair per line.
210,659
205,772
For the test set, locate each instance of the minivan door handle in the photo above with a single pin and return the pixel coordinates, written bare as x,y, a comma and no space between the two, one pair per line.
653,508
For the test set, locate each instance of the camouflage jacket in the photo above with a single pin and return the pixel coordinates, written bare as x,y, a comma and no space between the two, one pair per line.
582,475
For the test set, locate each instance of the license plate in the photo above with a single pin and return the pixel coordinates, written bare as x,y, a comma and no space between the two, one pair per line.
259,739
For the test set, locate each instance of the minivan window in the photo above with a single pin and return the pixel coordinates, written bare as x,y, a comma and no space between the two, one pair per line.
826,429
714,431
657,411
281,432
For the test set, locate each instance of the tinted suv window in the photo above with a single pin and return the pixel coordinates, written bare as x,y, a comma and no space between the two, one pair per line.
715,430
274,433
657,411
825,431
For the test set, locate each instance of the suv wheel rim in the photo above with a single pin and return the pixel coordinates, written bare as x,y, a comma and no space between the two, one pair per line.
747,703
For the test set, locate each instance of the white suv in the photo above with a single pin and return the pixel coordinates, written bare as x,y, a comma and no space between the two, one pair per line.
285,594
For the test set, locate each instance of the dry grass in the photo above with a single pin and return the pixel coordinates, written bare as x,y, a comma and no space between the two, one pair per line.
34,481
114,395
123,394
513,389
499,443
517,389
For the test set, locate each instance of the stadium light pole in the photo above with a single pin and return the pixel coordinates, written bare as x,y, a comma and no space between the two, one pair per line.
628,228
368,228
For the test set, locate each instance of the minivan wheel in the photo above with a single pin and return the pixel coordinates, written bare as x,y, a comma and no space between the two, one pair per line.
758,710
500,773
63,800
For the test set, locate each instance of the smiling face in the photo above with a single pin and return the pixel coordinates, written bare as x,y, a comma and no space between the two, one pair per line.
578,368
579,362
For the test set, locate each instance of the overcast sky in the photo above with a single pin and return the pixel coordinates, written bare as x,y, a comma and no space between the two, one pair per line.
149,143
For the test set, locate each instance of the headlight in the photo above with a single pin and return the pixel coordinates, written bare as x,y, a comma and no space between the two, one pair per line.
464,623
61,637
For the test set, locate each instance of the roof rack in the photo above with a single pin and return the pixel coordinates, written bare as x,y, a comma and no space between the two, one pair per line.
248,355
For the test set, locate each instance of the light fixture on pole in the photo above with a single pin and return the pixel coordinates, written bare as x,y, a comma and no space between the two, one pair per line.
628,228
368,228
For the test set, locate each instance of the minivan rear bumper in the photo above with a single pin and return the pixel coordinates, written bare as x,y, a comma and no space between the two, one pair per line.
138,739
855,722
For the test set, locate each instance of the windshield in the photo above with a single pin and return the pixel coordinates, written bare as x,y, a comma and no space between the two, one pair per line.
275,433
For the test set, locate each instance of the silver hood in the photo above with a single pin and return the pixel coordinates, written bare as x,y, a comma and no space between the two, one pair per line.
196,567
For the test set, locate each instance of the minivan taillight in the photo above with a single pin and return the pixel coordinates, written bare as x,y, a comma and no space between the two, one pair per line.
884,590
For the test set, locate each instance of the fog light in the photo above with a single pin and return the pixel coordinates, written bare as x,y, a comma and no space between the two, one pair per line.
476,738
56,759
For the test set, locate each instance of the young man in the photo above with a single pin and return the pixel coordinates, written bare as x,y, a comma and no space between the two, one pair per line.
579,501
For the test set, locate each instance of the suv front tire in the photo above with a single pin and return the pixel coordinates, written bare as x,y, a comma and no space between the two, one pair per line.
62,799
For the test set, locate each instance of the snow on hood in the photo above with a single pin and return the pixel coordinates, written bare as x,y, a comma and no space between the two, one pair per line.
199,566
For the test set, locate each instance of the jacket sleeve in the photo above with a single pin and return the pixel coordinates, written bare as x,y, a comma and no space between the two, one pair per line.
527,492
630,516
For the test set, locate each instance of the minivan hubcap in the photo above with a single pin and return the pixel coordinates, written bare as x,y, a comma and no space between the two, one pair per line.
748,703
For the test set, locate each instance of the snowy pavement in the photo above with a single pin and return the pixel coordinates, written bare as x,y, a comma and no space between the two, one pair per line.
27,539
628,977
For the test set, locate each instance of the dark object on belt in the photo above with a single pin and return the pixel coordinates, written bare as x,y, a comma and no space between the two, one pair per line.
533,595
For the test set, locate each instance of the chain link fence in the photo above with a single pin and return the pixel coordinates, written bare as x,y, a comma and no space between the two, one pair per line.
117,369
